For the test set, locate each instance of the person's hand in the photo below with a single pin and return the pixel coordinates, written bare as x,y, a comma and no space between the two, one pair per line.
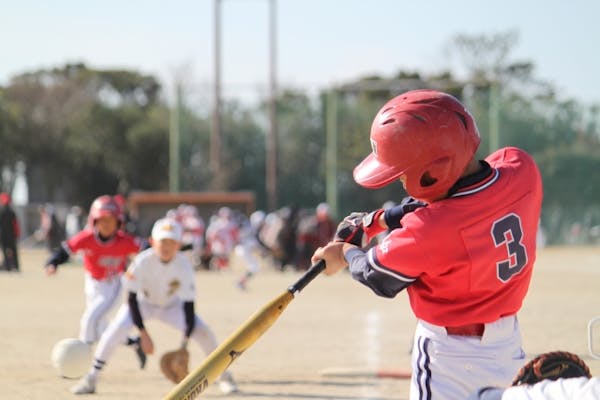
50,269
146,342
333,254
351,230
359,228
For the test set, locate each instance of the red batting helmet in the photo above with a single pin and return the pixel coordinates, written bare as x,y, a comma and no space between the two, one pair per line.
104,205
420,134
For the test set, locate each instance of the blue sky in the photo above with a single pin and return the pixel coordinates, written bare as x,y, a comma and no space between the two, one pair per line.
320,42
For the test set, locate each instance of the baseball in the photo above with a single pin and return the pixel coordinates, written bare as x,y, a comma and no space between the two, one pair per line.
71,358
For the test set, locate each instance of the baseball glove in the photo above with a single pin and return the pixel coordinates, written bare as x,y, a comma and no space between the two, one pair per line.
174,364
553,365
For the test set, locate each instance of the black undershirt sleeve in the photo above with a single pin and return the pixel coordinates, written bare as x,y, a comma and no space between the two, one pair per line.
134,310
60,256
190,317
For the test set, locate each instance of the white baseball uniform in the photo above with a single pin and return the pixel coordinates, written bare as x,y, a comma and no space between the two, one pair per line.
161,289
560,389
247,245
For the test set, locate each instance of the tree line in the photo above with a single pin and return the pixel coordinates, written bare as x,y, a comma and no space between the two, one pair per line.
83,131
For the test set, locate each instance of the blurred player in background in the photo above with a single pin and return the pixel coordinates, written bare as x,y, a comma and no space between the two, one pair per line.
106,250
280,234
221,237
10,232
160,284
193,231
248,245
463,245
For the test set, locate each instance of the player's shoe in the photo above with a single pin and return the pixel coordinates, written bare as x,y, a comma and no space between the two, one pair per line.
227,385
241,284
137,346
86,385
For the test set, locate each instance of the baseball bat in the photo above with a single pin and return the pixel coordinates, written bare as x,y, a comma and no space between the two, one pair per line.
240,340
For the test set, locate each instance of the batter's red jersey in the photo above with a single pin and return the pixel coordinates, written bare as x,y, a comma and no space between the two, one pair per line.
470,255
104,259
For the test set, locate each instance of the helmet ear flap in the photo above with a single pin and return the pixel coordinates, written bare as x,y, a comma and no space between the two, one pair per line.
434,173
427,180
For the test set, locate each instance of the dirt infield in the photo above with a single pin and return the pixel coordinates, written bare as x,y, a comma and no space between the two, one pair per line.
333,323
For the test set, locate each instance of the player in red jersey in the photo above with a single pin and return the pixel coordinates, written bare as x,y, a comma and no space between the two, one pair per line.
106,250
463,245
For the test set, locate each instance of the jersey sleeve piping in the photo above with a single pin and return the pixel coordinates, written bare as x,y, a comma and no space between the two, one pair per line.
376,265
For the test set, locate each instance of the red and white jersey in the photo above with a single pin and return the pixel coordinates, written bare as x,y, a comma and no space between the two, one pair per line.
222,235
103,260
469,258
161,283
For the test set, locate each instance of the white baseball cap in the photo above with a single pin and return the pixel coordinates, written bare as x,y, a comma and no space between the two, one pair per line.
167,228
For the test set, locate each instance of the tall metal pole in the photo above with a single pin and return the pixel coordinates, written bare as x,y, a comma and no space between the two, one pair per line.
331,162
494,113
215,129
174,155
271,142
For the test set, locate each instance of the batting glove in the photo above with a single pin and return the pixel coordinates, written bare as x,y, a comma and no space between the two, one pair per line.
359,228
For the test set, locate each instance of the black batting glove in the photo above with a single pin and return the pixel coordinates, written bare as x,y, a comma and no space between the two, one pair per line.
351,230
359,228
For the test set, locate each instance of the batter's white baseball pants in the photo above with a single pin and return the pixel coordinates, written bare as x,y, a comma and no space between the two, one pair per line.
448,367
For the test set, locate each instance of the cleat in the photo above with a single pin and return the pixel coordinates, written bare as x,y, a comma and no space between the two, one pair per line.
87,385
139,352
228,386
241,284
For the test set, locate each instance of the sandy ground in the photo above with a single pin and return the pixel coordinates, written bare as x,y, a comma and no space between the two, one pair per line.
333,322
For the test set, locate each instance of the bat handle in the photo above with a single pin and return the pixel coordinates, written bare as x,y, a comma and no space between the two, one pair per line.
308,276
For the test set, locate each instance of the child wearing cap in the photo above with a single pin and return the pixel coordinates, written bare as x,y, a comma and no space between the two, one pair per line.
160,283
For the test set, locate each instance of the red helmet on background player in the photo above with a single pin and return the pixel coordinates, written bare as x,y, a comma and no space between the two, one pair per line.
4,198
424,136
104,205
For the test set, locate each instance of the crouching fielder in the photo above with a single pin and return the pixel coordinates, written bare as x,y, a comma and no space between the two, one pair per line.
160,283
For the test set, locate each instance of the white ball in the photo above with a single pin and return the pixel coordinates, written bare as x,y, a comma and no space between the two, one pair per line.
71,358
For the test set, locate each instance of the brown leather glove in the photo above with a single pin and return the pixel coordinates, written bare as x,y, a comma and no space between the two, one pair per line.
553,365
174,364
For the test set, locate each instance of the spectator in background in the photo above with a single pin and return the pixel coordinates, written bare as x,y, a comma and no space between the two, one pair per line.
50,230
325,224
129,223
286,237
9,234
314,230
73,221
